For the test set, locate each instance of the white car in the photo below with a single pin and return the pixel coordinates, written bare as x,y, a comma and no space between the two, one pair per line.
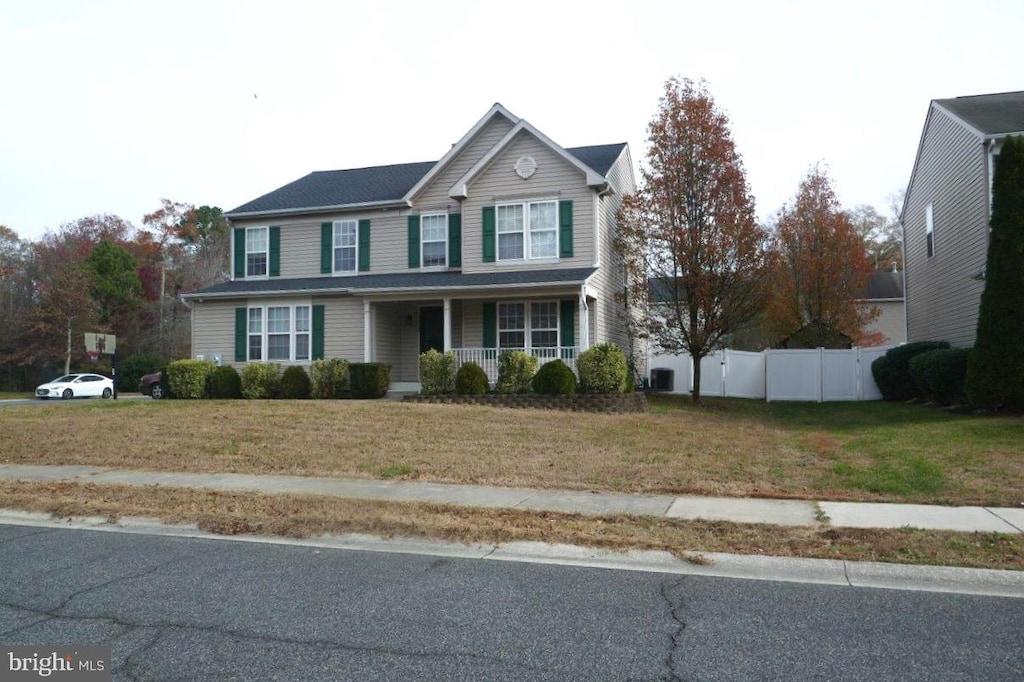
77,386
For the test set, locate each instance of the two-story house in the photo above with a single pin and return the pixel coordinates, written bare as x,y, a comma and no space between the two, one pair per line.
946,213
506,242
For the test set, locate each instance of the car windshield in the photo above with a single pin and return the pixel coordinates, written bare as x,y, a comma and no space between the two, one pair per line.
65,379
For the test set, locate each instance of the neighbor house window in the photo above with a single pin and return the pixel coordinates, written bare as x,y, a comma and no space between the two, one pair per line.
540,326
346,245
256,252
527,230
929,229
434,238
282,330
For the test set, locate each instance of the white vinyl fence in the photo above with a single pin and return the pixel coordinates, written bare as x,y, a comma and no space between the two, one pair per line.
821,375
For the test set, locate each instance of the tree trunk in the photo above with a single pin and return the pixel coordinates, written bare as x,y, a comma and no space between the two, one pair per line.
695,395
67,356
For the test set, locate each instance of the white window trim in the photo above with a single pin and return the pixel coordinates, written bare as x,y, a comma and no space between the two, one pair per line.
528,324
292,333
526,232
433,268
334,247
265,252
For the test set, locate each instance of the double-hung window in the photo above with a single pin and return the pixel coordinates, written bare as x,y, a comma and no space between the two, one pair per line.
279,333
256,248
527,230
434,238
539,327
346,245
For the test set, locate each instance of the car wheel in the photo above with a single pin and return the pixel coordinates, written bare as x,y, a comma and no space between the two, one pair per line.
107,393
156,391
67,394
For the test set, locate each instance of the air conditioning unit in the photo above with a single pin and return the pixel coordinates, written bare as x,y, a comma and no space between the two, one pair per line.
662,379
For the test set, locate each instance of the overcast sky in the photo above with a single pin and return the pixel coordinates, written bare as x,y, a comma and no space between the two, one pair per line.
109,106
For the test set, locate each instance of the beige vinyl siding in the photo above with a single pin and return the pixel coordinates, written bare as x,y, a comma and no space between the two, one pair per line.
343,327
942,296
609,280
387,337
213,329
891,322
300,250
555,178
434,196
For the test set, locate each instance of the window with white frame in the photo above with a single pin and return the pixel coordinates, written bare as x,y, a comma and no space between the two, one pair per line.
929,229
279,332
540,327
527,230
346,245
434,240
256,248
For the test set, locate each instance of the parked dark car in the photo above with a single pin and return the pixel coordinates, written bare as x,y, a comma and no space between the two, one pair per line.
153,385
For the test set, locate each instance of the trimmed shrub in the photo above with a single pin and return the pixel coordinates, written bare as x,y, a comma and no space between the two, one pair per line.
295,384
370,380
130,370
437,372
261,380
603,369
328,378
224,383
471,379
554,378
516,369
892,371
189,377
940,374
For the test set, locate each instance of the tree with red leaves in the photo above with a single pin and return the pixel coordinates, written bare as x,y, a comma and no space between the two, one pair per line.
822,270
693,251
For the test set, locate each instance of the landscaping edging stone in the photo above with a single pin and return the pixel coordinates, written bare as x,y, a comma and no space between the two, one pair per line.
612,403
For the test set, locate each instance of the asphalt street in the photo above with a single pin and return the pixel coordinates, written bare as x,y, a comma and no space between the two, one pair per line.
76,401
185,608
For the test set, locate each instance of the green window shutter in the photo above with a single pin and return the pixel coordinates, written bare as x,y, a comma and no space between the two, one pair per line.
239,253
565,229
364,245
275,252
241,334
455,240
414,241
567,318
490,223
490,325
318,332
326,247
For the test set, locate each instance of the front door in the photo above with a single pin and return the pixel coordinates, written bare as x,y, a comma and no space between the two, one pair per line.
432,329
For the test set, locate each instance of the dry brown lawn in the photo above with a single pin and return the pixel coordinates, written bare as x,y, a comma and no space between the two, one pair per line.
306,516
737,448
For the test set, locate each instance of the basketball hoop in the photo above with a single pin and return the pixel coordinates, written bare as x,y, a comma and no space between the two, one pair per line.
94,355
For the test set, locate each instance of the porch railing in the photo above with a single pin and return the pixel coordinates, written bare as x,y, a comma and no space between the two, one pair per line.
487,358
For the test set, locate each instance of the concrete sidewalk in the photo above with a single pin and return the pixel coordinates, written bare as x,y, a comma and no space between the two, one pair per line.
740,510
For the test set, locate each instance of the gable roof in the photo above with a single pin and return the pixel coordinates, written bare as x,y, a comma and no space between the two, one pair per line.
884,285
991,115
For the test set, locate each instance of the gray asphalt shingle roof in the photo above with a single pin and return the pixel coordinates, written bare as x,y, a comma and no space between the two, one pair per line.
401,280
994,114
322,189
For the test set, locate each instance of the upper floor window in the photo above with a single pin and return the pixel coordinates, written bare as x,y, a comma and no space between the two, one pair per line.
527,230
256,248
346,245
434,240
929,229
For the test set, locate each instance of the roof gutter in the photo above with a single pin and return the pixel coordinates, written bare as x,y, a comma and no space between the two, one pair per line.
389,203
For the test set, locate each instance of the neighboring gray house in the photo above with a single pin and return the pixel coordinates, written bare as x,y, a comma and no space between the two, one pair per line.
506,242
885,291
946,213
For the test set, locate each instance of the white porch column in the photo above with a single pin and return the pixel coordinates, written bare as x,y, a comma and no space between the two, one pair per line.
447,324
584,341
367,332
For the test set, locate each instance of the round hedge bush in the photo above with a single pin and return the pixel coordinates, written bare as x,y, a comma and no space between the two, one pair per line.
603,369
554,378
940,374
892,371
471,379
295,383
224,383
